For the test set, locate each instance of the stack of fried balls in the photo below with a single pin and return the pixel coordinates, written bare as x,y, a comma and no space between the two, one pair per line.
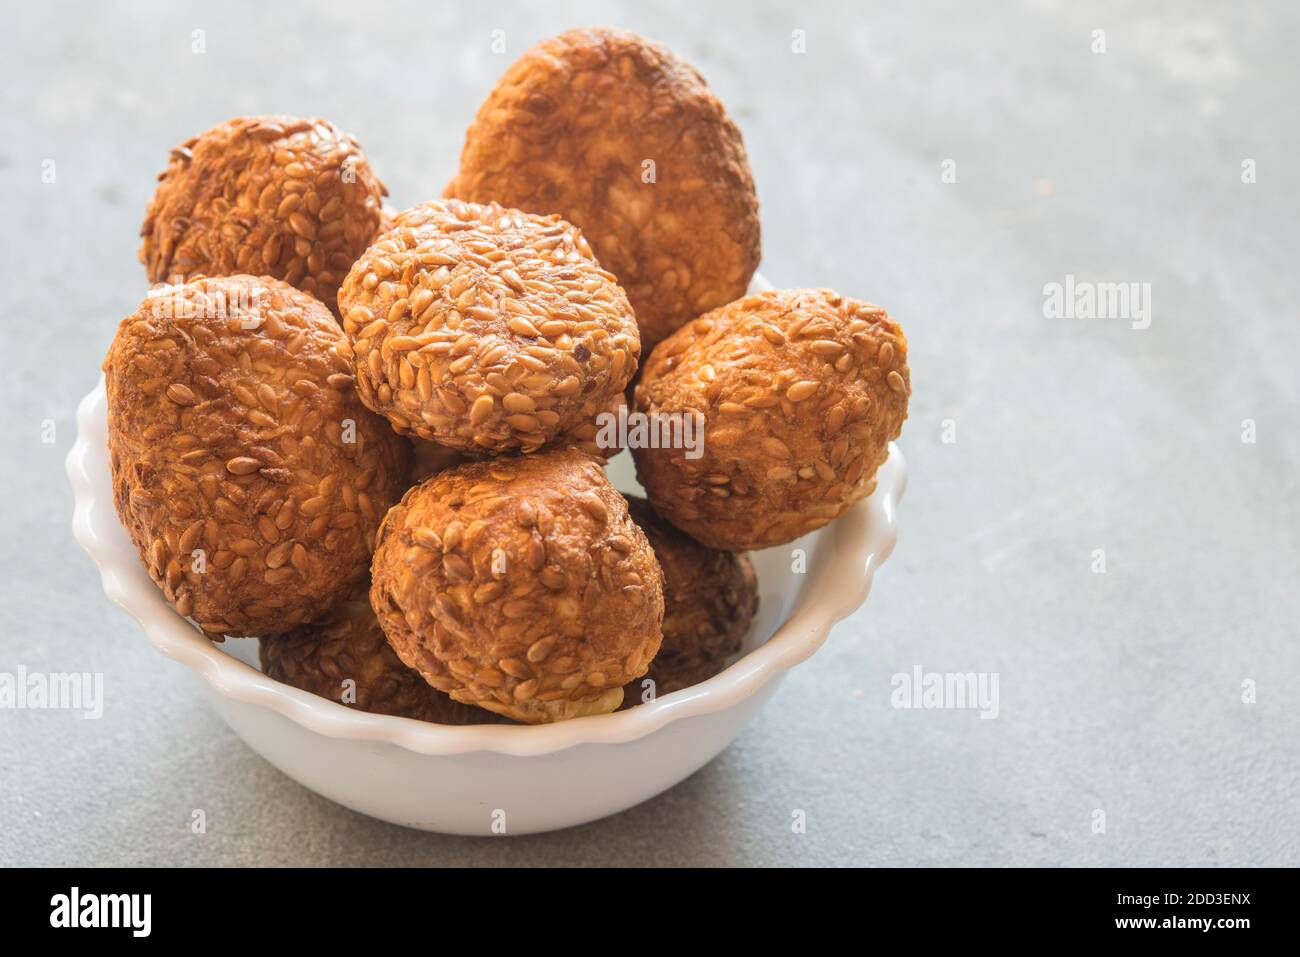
373,439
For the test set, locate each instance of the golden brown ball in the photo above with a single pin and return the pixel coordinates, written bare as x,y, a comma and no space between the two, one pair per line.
520,585
710,598
345,657
246,470
800,393
486,329
623,138
268,196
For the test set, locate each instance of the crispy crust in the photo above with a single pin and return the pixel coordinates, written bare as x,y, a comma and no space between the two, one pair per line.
349,644
710,598
431,458
520,585
486,329
568,130
264,195
228,412
801,390
588,437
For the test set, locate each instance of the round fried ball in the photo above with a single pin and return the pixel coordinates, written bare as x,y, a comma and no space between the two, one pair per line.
486,329
265,195
624,139
800,393
346,658
246,470
710,598
520,585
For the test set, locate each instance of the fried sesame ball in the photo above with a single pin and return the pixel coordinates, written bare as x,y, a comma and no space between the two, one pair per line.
520,585
624,139
265,195
710,598
246,470
486,329
801,392
345,657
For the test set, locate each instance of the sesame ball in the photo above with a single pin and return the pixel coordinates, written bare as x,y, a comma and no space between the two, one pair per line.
247,472
486,329
520,585
710,599
625,140
345,657
265,195
800,391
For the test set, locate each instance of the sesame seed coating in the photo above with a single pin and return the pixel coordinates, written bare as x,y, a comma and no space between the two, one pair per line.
244,467
431,458
520,585
801,390
486,329
347,643
626,140
710,598
264,195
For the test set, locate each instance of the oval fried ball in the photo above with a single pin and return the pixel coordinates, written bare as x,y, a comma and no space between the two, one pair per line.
520,585
246,470
349,644
801,392
710,598
624,139
266,195
486,329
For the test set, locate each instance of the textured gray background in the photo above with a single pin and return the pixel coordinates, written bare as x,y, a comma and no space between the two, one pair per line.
1119,691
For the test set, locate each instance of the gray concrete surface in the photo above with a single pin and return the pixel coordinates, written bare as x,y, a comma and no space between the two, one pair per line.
1120,691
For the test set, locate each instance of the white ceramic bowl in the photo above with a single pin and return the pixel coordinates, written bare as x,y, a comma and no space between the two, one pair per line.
480,779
